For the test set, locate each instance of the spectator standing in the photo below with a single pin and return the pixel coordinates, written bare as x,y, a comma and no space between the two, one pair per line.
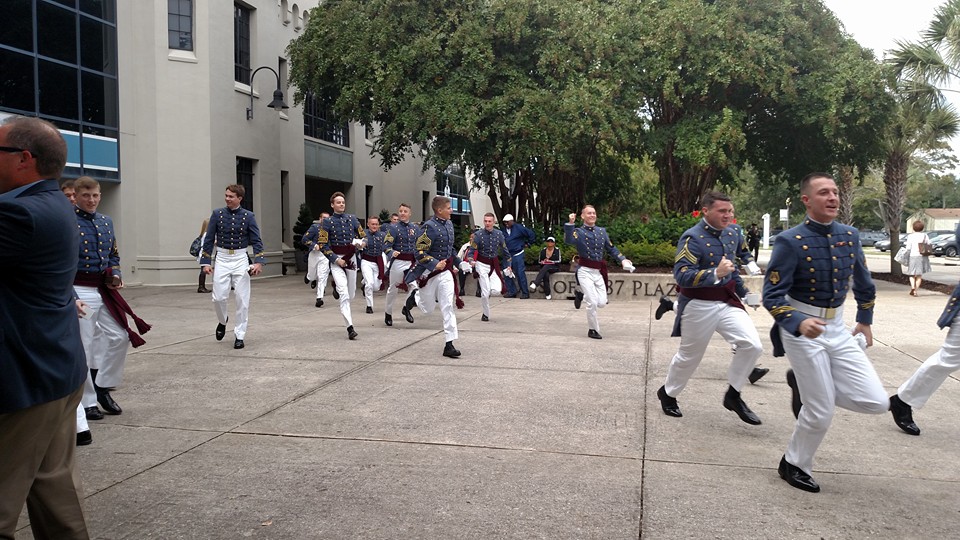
918,244
753,240
518,238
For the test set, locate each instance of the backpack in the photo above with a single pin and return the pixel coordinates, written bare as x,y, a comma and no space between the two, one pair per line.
195,247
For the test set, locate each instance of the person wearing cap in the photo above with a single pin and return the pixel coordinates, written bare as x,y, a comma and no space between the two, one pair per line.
518,238
549,264
593,244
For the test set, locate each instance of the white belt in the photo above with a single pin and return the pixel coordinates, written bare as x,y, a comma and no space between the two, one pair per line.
815,311
519,253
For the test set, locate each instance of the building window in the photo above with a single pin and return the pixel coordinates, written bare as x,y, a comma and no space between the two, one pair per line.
245,179
241,44
319,123
180,24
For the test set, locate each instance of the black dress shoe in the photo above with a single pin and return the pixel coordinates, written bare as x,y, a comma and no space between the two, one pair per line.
318,303
369,309
757,374
84,438
733,402
408,305
305,280
484,318
510,295
200,289
450,351
796,477
668,404
313,284
594,334
336,295
238,344
903,415
524,296
93,413
388,319
351,333
666,305
221,331
577,299
106,401
795,402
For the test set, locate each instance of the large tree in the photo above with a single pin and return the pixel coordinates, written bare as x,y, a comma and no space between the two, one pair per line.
524,94
775,84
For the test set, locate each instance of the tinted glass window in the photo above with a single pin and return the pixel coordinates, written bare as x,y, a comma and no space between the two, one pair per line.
57,32
18,35
99,99
98,42
180,24
16,85
105,9
58,96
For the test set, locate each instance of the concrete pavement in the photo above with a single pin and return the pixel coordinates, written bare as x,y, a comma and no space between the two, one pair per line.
535,432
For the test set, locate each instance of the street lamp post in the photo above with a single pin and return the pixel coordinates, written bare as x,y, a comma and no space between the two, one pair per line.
277,103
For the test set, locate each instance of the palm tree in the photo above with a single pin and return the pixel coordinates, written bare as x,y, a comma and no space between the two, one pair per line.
923,121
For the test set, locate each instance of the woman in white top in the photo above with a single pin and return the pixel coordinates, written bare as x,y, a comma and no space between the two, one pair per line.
919,264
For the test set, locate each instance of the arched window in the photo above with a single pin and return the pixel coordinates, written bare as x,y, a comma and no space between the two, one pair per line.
284,12
297,23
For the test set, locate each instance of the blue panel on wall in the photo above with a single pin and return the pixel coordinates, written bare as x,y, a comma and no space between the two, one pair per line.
100,153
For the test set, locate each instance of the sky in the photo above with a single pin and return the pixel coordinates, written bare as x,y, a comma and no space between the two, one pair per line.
879,24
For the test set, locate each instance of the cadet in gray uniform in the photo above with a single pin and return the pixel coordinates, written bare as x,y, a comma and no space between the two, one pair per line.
400,246
436,272
371,261
708,302
930,375
810,271
232,228
489,243
340,237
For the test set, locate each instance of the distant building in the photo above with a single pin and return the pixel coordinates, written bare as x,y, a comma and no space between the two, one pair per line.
936,219
152,97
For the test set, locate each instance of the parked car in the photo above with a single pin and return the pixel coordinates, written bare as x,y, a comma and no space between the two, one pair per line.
884,245
945,245
869,238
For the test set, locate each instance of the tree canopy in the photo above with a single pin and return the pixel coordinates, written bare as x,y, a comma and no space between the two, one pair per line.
545,101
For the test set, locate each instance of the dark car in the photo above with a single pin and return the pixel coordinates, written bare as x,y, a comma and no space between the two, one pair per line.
945,245
869,238
884,245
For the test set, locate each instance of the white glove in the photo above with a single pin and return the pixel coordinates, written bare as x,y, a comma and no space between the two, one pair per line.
752,300
628,266
754,269
508,272
465,267
358,242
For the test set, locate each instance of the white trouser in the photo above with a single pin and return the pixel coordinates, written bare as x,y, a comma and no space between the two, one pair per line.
931,374
371,282
489,284
396,276
104,342
232,270
700,319
594,290
439,290
318,269
831,370
346,283
82,419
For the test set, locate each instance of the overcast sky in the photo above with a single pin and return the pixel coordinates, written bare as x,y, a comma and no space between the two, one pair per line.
879,24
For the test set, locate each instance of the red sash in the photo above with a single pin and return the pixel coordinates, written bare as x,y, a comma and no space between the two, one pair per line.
449,268
379,260
399,256
116,306
494,267
726,293
596,265
346,252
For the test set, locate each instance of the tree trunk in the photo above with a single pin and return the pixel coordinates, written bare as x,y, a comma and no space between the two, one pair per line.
845,214
683,183
895,184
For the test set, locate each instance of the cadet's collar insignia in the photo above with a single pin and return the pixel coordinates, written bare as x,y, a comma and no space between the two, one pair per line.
774,277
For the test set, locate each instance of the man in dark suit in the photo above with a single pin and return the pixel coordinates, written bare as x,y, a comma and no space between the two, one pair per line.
41,357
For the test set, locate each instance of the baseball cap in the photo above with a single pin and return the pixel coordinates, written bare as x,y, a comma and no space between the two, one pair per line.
551,239
508,217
